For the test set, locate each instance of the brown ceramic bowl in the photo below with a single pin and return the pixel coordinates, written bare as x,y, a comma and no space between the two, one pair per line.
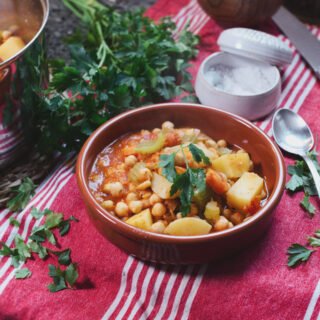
196,249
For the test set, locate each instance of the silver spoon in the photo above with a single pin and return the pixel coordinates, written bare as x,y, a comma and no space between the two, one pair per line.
292,134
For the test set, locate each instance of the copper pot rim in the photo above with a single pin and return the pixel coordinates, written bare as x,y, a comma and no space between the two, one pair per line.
136,233
46,10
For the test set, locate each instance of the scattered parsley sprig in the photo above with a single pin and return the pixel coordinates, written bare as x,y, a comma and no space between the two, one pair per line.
23,194
302,180
298,253
22,251
189,182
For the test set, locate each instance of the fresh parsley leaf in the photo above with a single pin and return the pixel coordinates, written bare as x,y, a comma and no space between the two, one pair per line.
63,256
62,279
37,214
53,220
307,205
22,273
22,248
168,167
295,183
23,194
64,226
314,242
198,155
297,254
5,251
38,248
71,274
14,222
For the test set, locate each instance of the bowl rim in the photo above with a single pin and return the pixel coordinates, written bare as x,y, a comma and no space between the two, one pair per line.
134,232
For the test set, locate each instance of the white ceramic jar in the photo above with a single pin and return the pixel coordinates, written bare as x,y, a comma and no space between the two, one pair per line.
248,50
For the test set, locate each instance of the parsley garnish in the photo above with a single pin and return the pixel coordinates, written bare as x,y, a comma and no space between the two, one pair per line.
301,179
297,254
23,194
188,183
22,273
62,279
14,222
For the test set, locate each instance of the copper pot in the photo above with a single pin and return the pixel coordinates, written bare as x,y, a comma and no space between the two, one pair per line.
30,18
240,12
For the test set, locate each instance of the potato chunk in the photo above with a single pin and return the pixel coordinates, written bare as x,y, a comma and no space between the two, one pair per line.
232,165
161,186
188,227
212,211
10,47
244,191
143,220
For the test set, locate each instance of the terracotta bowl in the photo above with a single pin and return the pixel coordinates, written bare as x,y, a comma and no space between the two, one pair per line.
172,249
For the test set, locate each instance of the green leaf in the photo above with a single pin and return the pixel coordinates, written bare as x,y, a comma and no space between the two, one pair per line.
23,194
295,183
5,251
297,254
14,222
71,274
63,256
53,220
307,205
22,248
167,165
64,225
38,248
198,155
57,275
314,242
36,213
22,273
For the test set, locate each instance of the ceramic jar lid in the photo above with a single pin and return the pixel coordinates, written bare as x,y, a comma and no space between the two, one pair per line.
255,45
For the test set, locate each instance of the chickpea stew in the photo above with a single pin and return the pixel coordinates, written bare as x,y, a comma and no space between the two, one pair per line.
177,181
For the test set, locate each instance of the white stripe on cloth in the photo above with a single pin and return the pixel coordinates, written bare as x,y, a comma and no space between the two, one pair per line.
193,291
122,288
144,289
312,302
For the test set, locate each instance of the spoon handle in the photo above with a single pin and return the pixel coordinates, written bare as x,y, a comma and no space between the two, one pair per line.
314,172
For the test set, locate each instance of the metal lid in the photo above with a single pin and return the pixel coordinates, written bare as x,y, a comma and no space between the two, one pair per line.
255,45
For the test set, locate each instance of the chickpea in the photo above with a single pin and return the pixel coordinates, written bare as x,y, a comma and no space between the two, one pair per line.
221,224
6,35
114,188
144,174
227,213
211,143
146,203
236,218
130,160
263,194
144,185
146,194
179,159
135,206
132,187
122,209
154,199
230,224
108,205
179,215
156,130
158,210
222,143
131,196
158,227
167,125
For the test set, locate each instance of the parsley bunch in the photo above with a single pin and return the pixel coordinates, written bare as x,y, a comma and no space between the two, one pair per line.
22,251
119,61
188,183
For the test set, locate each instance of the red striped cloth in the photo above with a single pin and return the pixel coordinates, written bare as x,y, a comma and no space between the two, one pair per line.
112,285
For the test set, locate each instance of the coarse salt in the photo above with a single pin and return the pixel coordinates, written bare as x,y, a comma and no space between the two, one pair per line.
242,81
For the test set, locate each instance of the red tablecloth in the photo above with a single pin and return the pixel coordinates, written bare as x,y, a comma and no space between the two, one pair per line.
255,284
